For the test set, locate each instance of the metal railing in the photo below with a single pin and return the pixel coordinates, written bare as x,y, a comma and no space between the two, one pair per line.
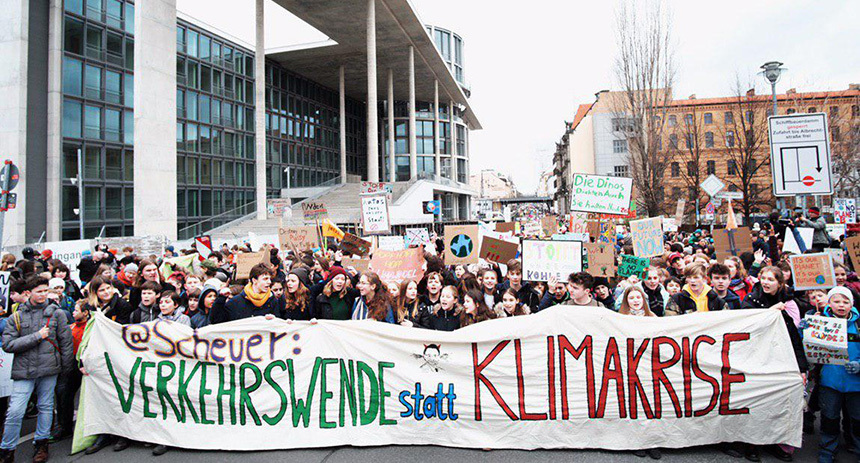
210,223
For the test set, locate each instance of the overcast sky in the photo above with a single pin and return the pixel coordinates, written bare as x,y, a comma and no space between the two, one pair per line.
530,67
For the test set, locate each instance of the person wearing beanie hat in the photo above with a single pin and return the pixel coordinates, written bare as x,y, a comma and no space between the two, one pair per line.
840,384
303,275
47,254
820,238
335,271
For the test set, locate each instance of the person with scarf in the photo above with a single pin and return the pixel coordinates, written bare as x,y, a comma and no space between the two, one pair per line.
337,296
374,302
474,309
255,300
741,282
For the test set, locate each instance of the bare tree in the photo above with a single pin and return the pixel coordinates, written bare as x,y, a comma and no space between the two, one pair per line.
845,148
745,133
687,141
645,71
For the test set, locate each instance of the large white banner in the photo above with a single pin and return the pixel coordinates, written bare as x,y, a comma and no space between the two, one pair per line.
567,377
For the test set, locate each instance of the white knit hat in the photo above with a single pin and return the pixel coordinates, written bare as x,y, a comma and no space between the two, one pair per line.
56,283
841,290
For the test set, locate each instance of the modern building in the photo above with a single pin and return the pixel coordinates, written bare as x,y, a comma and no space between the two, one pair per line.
708,136
109,107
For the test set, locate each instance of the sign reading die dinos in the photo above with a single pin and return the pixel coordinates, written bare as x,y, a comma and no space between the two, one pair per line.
298,238
596,193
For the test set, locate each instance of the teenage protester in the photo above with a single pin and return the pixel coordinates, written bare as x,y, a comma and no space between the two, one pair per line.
672,285
39,336
102,296
514,280
602,292
62,271
579,287
147,310
721,279
57,295
658,297
634,302
374,302
840,272
148,272
839,390
337,297
490,287
445,316
297,298
433,283
207,298
510,306
696,295
676,265
409,311
254,300
474,309
66,390
168,309
742,284
556,294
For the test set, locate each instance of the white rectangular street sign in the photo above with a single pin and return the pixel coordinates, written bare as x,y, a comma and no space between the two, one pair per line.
800,155
712,185
730,195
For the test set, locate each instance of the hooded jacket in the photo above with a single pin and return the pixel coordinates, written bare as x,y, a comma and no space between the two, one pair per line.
200,317
36,357
176,317
835,376
441,319
117,309
145,314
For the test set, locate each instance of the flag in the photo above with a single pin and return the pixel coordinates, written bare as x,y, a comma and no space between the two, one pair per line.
731,221
332,230
432,207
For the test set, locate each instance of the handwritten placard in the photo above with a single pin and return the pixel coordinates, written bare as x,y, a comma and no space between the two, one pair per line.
374,214
601,259
277,207
812,271
844,210
853,245
496,250
632,265
354,245
314,211
247,260
596,193
543,260
298,239
825,340
647,237
406,264
549,225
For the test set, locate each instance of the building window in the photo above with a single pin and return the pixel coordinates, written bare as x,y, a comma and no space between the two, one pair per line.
72,119
732,167
709,118
620,171
675,169
730,139
619,146
691,168
688,119
711,167
673,121
811,109
688,139
834,133
676,192
729,117
709,139
72,70
855,110
791,111
750,116
673,141
834,112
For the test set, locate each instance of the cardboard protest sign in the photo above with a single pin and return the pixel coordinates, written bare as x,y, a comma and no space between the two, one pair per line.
844,210
732,243
461,244
579,224
632,265
5,302
505,227
276,207
329,229
679,211
825,340
812,271
549,225
360,265
601,260
742,363
853,245
390,243
374,214
406,264
647,237
606,233
669,224
417,236
298,239
500,251
838,255
543,260
532,228
836,231
313,211
596,193
247,260
367,188
354,245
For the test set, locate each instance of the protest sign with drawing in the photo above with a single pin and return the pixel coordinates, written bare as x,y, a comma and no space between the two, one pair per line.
314,211
354,245
632,265
647,237
825,340
374,214
601,259
495,250
549,225
417,236
812,271
461,244
844,210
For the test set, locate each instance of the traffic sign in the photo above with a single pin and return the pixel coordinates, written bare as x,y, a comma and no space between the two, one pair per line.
710,209
9,176
712,185
730,195
800,155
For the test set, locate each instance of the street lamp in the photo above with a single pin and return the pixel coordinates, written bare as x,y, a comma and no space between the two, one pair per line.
772,70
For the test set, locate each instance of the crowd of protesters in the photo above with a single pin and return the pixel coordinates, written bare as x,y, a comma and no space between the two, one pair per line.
48,311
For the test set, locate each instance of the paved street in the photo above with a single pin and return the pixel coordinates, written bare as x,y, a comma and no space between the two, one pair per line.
137,453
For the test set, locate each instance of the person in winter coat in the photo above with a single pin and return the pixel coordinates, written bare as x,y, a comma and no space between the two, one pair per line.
445,315
696,295
510,306
603,294
255,300
66,394
147,310
839,387
657,296
102,295
474,309
200,318
409,311
374,302
72,288
579,287
634,302
434,283
820,238
556,294
297,298
168,309
148,272
490,286
720,277
39,336
741,282
337,297
525,293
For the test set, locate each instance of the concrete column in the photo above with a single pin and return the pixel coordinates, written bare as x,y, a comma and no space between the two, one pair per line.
392,165
453,148
413,142
155,118
14,24
54,178
342,120
260,110
436,137
372,117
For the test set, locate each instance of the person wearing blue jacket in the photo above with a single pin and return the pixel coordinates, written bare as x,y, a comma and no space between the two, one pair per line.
840,384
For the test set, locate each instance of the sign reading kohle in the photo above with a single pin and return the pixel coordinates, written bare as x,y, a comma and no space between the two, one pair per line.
597,193
800,155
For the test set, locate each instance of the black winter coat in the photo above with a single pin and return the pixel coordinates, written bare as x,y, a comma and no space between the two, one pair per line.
443,320
526,294
238,308
118,310
323,309
682,303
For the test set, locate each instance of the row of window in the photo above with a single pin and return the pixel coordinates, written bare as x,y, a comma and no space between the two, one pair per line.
94,41
749,115
710,168
112,13
194,170
93,82
198,45
97,122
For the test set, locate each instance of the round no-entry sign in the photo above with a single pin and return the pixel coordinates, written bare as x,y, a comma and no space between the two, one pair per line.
808,180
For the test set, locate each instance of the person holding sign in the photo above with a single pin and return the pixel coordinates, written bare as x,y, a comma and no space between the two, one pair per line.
840,384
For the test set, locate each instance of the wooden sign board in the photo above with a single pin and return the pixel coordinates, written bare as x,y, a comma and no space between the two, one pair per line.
354,245
601,259
812,271
723,244
247,260
360,265
504,227
495,250
461,244
298,239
